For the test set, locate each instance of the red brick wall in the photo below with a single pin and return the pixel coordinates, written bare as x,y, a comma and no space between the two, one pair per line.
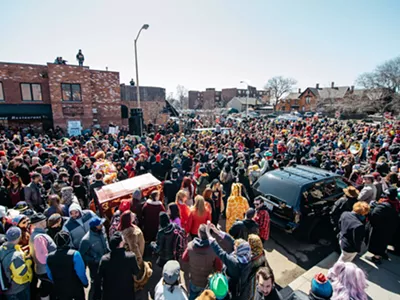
12,75
303,103
106,97
100,90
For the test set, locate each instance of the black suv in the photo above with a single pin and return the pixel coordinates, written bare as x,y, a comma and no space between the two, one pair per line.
299,198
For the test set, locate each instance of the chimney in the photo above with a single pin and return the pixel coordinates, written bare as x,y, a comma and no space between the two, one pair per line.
333,85
299,91
317,86
352,88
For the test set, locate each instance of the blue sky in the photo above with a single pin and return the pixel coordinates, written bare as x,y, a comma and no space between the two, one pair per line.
207,43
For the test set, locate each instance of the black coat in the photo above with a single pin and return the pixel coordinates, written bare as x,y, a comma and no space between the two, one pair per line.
115,276
384,221
5,198
171,188
165,244
352,232
242,229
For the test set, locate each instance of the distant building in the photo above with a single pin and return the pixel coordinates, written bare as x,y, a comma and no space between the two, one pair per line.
210,98
51,95
152,102
240,103
46,96
314,99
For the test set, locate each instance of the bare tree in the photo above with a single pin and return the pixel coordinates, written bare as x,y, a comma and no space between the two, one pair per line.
279,85
182,96
383,86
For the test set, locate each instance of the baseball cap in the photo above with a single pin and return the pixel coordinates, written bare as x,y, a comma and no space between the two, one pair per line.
171,272
96,221
13,234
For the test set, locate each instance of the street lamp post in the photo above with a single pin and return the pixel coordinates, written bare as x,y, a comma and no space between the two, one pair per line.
145,26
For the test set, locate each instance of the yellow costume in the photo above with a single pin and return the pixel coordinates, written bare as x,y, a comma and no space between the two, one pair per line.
236,206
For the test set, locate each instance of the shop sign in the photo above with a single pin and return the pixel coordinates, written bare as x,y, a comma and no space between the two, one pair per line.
22,118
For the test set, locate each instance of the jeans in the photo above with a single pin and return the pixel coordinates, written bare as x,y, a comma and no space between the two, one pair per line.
194,291
24,295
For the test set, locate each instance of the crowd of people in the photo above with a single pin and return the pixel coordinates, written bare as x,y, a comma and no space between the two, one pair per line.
205,221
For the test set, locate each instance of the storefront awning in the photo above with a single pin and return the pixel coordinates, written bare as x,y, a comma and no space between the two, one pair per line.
25,111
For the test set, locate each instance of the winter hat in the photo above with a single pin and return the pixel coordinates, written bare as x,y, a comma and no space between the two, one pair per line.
21,206
67,195
124,206
321,286
394,169
96,221
243,253
37,217
13,234
158,158
219,285
54,218
3,211
115,240
76,207
171,272
164,219
207,295
62,239
137,194
18,219
391,193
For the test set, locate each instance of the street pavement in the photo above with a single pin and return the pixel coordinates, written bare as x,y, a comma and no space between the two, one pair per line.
383,280
289,257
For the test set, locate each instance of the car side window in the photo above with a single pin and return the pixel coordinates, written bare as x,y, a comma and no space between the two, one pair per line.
314,193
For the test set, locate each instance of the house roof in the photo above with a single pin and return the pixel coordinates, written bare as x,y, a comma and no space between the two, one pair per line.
292,96
250,101
325,93
337,92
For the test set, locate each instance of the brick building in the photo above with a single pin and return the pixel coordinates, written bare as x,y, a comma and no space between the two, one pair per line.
314,98
152,102
210,98
46,96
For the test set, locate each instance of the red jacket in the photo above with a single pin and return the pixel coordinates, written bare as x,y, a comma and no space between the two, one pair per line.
194,221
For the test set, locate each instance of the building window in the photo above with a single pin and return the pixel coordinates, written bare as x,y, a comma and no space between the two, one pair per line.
308,100
31,92
1,92
71,92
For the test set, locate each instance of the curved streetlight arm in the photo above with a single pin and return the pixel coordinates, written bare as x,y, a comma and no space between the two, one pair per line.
138,34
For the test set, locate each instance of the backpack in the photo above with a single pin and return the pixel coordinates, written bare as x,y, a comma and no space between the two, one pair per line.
5,282
179,242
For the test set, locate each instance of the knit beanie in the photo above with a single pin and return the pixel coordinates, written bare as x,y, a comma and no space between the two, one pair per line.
164,219
17,219
67,195
219,285
243,253
62,239
321,286
124,206
54,218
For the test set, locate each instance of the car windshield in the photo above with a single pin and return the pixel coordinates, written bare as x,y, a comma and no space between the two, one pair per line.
278,188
